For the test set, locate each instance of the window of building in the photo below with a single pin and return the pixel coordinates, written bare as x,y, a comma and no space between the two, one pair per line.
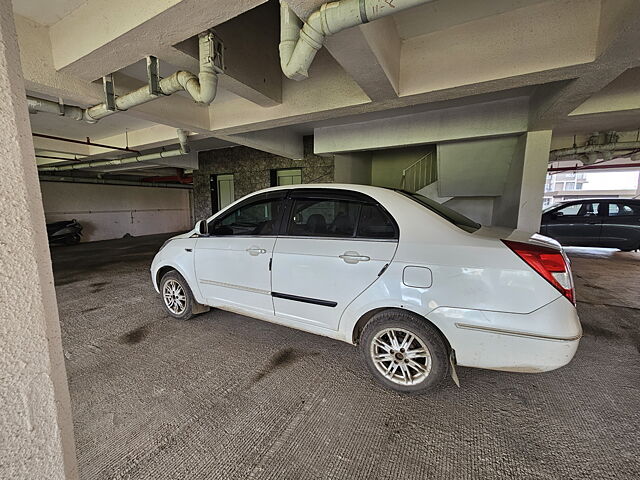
222,191
570,186
291,176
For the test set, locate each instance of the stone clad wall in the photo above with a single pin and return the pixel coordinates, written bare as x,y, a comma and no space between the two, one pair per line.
251,171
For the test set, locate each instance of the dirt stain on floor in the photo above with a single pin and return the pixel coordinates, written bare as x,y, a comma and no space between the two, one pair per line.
98,286
596,331
92,309
281,359
135,336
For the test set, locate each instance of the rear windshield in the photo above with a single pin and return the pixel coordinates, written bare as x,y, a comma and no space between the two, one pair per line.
452,216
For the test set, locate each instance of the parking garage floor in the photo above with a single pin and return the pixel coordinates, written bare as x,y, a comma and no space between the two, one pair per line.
225,396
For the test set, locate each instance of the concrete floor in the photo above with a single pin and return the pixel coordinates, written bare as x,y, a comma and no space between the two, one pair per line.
228,397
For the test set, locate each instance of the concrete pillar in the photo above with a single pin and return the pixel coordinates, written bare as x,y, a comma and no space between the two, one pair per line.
534,172
520,205
35,419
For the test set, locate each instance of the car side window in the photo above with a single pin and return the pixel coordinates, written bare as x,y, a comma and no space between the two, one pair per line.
258,218
570,210
323,218
375,223
586,209
621,209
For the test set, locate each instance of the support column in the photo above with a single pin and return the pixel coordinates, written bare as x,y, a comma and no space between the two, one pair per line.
520,205
534,171
35,420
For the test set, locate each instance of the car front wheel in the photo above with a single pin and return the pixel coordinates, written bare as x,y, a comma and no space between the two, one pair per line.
404,352
177,298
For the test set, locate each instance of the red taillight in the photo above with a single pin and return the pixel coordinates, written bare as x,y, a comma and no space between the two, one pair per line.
549,263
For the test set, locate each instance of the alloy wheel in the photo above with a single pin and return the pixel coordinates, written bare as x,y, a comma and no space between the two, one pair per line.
174,297
400,356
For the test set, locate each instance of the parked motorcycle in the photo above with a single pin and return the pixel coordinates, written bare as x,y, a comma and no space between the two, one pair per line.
67,232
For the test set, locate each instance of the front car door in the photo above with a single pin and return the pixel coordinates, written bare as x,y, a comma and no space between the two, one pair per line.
333,245
621,228
232,263
576,224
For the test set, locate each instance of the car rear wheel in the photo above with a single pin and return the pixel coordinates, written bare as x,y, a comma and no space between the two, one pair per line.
404,352
177,298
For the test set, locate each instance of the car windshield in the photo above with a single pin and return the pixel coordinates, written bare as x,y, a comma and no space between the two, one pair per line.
447,213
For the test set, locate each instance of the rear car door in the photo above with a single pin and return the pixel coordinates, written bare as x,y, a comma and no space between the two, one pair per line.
232,263
333,245
577,224
621,227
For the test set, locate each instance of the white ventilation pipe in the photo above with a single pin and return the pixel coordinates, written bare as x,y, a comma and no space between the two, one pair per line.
202,89
41,105
298,46
184,148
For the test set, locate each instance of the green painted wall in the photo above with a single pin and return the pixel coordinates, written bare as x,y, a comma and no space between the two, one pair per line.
387,165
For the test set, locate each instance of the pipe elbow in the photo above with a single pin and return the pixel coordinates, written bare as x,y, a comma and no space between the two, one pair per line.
208,81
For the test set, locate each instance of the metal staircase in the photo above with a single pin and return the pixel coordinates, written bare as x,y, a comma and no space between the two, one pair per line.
420,173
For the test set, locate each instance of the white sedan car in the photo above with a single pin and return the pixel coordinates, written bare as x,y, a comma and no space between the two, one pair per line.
419,287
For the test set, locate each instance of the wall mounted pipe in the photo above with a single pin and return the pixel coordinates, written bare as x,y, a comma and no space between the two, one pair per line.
81,142
184,148
202,89
586,149
299,41
41,105
53,178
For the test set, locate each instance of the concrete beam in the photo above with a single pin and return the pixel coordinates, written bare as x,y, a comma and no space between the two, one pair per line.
504,117
617,49
510,45
41,77
252,65
370,54
93,40
281,142
37,430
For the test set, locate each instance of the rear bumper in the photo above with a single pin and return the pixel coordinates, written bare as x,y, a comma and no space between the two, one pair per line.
542,340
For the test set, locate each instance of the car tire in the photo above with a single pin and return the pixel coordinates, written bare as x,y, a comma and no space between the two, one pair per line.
387,361
177,299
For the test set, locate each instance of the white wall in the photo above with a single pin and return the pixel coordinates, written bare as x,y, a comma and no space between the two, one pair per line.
111,211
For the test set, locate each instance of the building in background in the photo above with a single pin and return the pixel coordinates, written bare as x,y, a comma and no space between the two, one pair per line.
565,186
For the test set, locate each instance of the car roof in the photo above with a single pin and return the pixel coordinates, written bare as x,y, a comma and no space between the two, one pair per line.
601,199
370,189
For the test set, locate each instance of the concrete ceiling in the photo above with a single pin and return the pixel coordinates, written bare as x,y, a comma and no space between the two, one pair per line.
65,127
46,12
441,14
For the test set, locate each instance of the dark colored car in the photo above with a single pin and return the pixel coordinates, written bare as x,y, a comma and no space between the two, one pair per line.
602,222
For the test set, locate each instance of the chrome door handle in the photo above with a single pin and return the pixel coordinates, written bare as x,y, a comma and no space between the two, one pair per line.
354,257
255,251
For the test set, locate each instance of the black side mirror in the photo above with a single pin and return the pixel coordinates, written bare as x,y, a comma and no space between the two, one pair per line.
202,228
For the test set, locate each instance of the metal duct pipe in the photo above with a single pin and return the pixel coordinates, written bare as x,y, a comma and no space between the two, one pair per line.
41,105
298,45
202,88
52,178
184,148
609,147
